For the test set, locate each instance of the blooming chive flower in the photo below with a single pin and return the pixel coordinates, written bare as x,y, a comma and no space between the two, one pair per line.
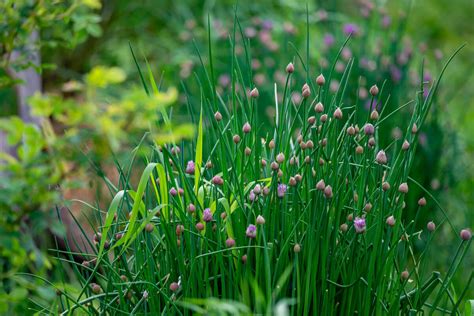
350,28
207,215
281,190
190,167
251,231
359,225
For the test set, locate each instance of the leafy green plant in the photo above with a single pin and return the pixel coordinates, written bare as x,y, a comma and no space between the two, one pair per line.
306,218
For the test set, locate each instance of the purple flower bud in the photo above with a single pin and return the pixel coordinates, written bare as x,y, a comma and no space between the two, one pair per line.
251,231
217,180
359,225
173,192
281,190
257,189
252,196
191,208
381,158
207,215
190,167
328,192
465,234
369,129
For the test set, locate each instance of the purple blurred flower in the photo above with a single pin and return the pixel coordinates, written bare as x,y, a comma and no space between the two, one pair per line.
267,24
207,215
359,225
328,40
250,32
251,231
396,73
386,20
350,28
281,190
224,80
190,167
252,196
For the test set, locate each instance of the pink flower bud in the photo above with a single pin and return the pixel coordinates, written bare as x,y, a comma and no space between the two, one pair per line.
218,116
236,139
320,80
381,158
374,90
328,192
403,188
246,128
290,68
422,201
320,185
465,234
405,145
351,130
390,221
280,158
174,286
217,180
319,108
191,208
254,93
431,226
404,275
230,242
374,115
199,226
337,114
260,220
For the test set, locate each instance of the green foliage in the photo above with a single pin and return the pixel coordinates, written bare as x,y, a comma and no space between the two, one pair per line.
327,200
59,23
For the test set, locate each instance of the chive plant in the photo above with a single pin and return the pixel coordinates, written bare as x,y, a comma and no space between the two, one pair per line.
306,219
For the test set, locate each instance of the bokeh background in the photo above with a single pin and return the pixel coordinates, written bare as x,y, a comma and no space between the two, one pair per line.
90,109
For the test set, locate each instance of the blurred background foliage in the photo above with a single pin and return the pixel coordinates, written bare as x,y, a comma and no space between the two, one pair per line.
93,105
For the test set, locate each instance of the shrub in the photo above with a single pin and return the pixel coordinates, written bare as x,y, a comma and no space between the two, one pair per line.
306,218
